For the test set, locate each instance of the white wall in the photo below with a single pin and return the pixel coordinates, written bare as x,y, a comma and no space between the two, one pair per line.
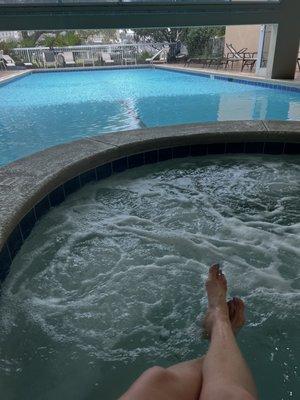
9,35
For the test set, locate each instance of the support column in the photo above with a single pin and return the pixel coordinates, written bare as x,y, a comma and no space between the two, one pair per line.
284,44
283,52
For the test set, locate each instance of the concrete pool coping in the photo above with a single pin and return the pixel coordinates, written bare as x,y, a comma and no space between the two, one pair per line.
29,187
228,74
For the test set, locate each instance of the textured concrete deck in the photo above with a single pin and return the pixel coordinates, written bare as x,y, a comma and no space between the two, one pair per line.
6,76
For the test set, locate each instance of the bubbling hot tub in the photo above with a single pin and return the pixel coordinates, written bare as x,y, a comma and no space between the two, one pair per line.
110,282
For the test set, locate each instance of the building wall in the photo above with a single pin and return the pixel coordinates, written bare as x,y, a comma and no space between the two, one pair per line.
9,35
243,36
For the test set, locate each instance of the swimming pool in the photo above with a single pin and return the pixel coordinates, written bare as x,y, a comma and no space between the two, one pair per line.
44,109
111,281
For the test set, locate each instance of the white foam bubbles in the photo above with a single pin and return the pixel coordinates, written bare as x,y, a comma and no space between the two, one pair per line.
115,274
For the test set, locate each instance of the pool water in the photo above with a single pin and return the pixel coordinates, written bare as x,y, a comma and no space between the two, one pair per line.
111,282
46,109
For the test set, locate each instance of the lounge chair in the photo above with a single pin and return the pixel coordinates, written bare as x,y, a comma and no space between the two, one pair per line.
159,57
28,64
182,55
245,57
66,59
49,59
2,64
106,59
178,52
84,57
206,62
8,61
128,58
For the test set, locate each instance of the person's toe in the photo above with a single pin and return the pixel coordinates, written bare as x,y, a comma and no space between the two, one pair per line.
231,309
240,311
213,272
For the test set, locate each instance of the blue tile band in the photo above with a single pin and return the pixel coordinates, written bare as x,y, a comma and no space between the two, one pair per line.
243,81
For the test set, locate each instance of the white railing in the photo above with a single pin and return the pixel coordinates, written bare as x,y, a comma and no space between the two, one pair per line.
86,55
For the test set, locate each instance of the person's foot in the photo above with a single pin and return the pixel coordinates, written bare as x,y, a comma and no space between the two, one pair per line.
236,309
216,288
233,310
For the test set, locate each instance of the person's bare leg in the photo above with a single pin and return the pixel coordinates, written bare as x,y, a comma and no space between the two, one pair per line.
184,380
225,373
179,382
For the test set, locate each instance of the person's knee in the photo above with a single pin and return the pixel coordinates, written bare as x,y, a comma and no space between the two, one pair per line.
149,383
225,391
157,374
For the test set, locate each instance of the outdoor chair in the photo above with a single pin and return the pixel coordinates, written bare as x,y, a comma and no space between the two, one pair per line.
84,57
206,61
27,64
242,56
66,59
183,55
233,55
127,59
151,59
249,60
159,58
2,64
49,59
178,52
8,61
106,59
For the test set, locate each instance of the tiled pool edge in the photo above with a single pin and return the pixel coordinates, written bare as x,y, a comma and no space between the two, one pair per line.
252,81
22,73
31,186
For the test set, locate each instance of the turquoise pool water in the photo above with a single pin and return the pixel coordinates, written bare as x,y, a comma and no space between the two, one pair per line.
45,109
111,282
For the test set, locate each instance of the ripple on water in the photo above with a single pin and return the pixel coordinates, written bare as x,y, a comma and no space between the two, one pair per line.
113,278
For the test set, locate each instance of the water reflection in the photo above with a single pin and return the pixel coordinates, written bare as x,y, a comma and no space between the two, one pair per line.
42,110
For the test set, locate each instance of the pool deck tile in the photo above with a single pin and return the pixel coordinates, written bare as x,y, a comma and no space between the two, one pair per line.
72,185
5,262
104,171
120,165
87,176
234,148
15,241
27,223
273,148
151,157
292,148
254,147
198,150
216,148
57,196
181,151
136,160
42,207
165,154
